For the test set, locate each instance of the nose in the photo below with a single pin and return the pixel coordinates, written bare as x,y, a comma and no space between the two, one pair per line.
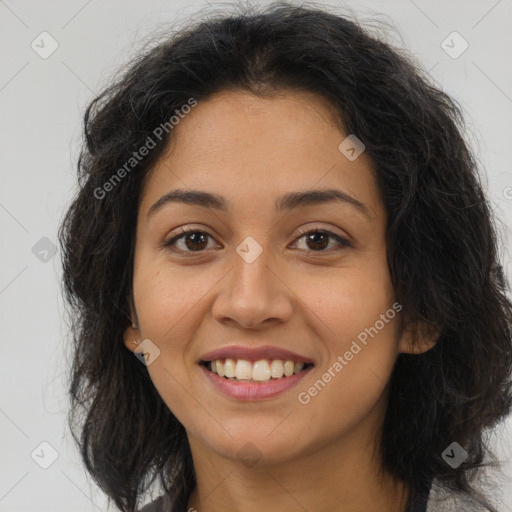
253,295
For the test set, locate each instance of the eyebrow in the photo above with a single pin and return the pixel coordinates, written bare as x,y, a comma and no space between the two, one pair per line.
290,201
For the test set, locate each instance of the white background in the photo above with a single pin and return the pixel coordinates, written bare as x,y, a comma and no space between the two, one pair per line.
41,106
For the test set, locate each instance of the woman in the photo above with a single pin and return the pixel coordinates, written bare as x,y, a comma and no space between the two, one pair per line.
284,277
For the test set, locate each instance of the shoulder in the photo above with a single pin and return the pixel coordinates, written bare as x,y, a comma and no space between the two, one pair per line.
444,500
161,504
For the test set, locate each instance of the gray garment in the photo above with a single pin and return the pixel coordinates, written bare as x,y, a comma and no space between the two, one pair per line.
442,500
439,500
161,504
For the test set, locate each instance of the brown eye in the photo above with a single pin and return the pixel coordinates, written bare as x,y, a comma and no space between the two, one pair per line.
318,240
191,241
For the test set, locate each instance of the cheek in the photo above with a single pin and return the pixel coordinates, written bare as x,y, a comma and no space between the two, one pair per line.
171,302
355,319
346,300
164,300
166,296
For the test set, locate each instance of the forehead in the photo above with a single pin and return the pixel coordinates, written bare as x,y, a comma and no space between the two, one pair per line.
252,149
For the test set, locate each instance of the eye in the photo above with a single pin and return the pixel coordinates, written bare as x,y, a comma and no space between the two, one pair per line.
191,240
318,240
194,240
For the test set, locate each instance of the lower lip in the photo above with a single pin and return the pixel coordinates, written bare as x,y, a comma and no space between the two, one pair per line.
250,391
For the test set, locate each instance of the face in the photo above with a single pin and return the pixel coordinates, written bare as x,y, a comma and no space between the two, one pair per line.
254,280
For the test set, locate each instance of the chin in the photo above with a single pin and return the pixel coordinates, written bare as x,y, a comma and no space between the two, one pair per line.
255,446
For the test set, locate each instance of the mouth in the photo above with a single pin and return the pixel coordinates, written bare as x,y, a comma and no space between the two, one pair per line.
259,371
246,373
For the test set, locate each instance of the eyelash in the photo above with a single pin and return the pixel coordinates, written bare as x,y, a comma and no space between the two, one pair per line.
168,244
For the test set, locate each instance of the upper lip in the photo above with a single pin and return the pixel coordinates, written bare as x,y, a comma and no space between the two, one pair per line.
254,354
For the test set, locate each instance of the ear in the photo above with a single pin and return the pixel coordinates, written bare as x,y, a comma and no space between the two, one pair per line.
417,338
132,337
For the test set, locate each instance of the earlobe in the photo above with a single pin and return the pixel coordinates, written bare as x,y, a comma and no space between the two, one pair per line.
132,337
418,339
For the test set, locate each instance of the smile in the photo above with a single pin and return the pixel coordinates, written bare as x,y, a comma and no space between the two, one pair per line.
245,380
263,370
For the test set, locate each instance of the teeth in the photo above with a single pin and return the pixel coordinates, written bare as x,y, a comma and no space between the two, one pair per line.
276,369
297,367
262,370
220,368
243,369
229,367
289,366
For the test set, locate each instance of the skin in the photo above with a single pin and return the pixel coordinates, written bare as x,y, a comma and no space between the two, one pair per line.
251,150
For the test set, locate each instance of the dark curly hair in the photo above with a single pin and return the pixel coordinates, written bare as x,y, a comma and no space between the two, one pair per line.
442,244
